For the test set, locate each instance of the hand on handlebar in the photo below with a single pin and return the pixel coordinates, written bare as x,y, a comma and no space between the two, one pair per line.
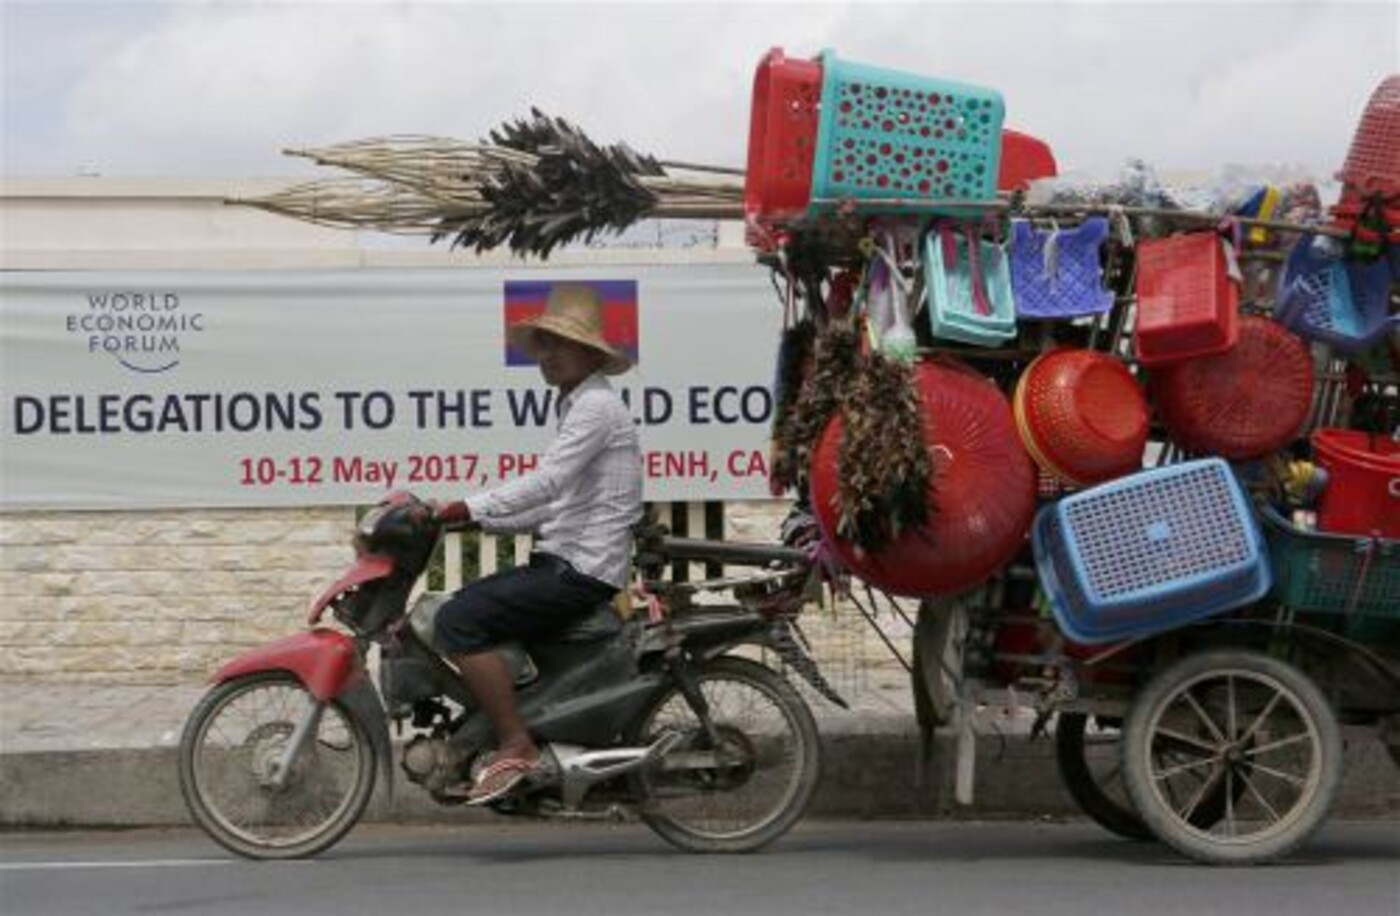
454,514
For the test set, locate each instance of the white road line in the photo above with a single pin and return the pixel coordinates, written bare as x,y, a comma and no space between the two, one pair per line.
148,863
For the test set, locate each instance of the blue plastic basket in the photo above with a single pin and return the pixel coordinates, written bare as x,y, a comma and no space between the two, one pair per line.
1341,303
952,308
1150,552
886,134
1066,285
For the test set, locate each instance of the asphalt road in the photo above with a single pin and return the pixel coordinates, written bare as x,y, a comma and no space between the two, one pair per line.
865,868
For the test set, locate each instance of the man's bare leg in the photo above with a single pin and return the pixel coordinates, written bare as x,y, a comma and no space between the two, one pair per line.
493,687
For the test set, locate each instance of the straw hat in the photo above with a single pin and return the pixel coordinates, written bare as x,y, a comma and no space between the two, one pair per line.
575,312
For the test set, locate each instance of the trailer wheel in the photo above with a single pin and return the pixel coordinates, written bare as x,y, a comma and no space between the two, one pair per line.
1242,721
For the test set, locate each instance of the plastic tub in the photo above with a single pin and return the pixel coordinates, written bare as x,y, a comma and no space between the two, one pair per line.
886,134
1150,552
1244,403
1363,488
1186,302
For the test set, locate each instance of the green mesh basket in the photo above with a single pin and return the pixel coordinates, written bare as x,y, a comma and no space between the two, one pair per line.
1333,574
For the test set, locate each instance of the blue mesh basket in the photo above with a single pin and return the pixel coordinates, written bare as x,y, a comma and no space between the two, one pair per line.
1333,301
953,309
885,134
1149,552
1068,282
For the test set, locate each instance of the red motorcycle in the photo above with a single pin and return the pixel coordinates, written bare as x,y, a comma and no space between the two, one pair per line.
714,751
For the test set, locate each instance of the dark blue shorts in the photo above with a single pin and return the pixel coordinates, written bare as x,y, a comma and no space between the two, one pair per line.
525,604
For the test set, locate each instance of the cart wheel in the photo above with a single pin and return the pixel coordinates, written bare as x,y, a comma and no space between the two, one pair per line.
1238,719
1088,750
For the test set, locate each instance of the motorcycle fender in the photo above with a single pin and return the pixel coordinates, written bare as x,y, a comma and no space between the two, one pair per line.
363,703
324,660
367,568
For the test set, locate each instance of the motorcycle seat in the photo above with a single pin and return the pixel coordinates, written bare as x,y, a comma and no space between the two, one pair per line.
598,625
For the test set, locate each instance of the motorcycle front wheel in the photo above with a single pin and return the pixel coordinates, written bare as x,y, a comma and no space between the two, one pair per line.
230,751
746,785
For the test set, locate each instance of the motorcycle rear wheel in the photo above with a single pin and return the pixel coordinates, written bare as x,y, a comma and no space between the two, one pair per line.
229,742
767,763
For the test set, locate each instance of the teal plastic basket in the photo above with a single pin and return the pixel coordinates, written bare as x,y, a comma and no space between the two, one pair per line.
885,134
1333,574
953,310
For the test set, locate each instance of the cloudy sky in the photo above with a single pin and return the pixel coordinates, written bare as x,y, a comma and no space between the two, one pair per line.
136,88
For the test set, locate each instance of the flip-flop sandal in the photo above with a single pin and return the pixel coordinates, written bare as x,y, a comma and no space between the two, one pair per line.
500,778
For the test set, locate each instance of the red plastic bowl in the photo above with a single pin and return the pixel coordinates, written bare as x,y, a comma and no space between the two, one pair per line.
1082,416
1244,403
981,495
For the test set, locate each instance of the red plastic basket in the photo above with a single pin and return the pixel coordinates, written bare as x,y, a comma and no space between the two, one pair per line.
783,121
1243,403
1186,301
1363,487
1373,162
1082,416
981,494
1023,159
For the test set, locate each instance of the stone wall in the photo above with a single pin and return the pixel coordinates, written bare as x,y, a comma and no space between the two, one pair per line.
167,596
158,596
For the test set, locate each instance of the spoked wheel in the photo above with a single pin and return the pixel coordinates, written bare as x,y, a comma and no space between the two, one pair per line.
748,785
231,754
1247,730
1088,750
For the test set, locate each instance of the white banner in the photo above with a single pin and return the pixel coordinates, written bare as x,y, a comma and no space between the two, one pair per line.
286,388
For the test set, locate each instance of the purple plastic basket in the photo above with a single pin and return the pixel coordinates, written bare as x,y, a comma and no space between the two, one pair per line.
1342,303
1074,285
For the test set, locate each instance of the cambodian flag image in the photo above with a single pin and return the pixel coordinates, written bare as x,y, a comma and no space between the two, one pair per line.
524,299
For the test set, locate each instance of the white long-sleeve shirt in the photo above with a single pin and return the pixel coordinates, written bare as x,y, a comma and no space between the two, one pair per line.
586,494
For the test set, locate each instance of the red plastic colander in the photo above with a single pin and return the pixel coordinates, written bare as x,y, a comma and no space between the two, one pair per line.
1243,403
981,494
1082,416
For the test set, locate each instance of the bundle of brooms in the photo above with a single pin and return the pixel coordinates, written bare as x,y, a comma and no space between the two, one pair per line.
539,183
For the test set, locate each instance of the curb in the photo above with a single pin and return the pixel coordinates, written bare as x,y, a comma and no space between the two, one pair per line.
870,773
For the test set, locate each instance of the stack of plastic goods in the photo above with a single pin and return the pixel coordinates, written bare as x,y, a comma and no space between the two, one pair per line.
1371,174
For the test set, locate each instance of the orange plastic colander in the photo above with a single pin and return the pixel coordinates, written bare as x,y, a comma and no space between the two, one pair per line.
1082,416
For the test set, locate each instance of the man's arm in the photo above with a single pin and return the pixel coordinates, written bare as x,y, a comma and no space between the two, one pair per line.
583,435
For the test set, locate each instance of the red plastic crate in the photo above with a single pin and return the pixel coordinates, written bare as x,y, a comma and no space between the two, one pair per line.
1186,302
1373,162
783,120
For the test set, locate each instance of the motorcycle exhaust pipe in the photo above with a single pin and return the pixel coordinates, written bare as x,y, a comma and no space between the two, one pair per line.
580,769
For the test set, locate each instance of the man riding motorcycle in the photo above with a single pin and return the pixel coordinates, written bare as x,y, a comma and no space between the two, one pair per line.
583,499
